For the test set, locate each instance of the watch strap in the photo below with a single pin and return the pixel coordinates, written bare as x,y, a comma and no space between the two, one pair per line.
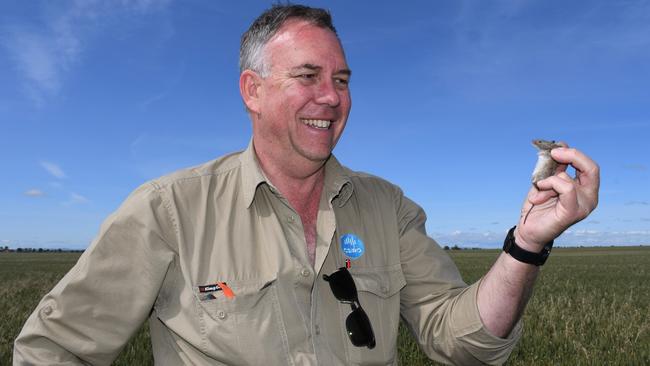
523,255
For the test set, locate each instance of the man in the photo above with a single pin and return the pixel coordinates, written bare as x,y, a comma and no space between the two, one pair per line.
246,259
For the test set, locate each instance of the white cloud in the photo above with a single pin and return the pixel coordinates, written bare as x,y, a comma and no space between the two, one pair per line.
43,53
633,203
42,58
495,47
571,237
637,167
469,238
34,193
171,83
76,198
36,59
597,238
53,169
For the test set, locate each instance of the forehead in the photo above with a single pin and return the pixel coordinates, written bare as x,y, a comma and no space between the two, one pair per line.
298,42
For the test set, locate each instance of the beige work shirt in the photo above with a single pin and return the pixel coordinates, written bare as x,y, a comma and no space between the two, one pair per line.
225,222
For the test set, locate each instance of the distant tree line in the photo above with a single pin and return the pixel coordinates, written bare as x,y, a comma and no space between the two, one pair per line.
39,250
456,247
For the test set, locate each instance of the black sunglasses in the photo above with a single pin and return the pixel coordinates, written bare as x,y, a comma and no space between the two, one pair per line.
357,323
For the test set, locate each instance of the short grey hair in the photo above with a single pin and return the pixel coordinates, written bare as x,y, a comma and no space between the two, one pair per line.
253,41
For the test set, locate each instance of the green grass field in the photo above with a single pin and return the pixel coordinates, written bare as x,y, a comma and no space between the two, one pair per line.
591,306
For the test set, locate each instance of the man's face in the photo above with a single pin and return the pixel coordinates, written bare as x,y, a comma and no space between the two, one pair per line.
305,101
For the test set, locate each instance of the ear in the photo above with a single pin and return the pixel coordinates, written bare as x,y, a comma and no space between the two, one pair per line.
249,88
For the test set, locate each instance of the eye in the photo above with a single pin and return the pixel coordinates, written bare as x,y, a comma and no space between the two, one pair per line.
309,76
342,81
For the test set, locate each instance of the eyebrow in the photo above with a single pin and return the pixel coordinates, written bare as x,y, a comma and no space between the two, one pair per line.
318,68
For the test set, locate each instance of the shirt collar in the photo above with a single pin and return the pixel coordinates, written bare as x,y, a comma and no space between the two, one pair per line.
337,180
251,174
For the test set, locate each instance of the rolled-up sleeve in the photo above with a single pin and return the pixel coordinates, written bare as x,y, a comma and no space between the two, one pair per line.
93,311
439,308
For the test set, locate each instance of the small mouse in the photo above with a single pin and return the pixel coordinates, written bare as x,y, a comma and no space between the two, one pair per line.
545,166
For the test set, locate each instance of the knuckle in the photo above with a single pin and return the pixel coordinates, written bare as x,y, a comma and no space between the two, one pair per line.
596,168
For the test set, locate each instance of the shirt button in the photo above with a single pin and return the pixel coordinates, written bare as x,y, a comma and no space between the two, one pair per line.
221,314
384,289
291,219
316,329
47,310
305,272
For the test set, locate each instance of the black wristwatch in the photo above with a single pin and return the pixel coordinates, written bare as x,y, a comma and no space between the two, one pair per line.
522,255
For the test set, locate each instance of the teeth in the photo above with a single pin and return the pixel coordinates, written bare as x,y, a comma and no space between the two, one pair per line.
319,123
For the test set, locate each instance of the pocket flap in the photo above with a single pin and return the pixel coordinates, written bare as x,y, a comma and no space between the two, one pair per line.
247,295
383,281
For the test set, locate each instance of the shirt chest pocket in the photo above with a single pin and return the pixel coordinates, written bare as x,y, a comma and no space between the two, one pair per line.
245,328
378,290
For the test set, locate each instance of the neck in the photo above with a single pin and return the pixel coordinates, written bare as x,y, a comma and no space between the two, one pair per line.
299,180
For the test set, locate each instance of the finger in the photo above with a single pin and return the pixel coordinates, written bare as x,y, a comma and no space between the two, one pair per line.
538,196
541,197
587,171
565,177
565,188
561,167
541,194
587,168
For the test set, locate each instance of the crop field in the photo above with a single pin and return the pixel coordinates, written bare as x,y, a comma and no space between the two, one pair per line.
591,306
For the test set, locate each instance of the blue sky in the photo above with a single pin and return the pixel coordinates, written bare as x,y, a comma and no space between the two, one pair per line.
97,97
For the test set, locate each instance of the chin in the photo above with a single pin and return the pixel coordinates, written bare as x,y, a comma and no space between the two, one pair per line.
317,155
316,152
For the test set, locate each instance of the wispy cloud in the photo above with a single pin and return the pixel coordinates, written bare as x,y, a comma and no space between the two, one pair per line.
76,199
597,237
38,60
34,193
44,52
571,237
637,167
499,45
53,169
170,84
637,203
470,238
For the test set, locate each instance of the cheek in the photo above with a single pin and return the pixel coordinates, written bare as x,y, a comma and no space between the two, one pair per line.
298,94
346,101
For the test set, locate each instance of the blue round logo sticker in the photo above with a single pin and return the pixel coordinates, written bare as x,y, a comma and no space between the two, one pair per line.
352,246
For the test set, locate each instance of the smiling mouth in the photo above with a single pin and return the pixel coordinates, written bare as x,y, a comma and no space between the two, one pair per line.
322,124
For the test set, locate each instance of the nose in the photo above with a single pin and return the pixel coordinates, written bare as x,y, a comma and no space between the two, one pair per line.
326,93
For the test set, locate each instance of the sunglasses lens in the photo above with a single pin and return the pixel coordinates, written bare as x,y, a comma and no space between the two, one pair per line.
357,323
342,285
359,329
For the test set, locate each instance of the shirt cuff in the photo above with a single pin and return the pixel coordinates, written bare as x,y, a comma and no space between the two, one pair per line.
468,328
